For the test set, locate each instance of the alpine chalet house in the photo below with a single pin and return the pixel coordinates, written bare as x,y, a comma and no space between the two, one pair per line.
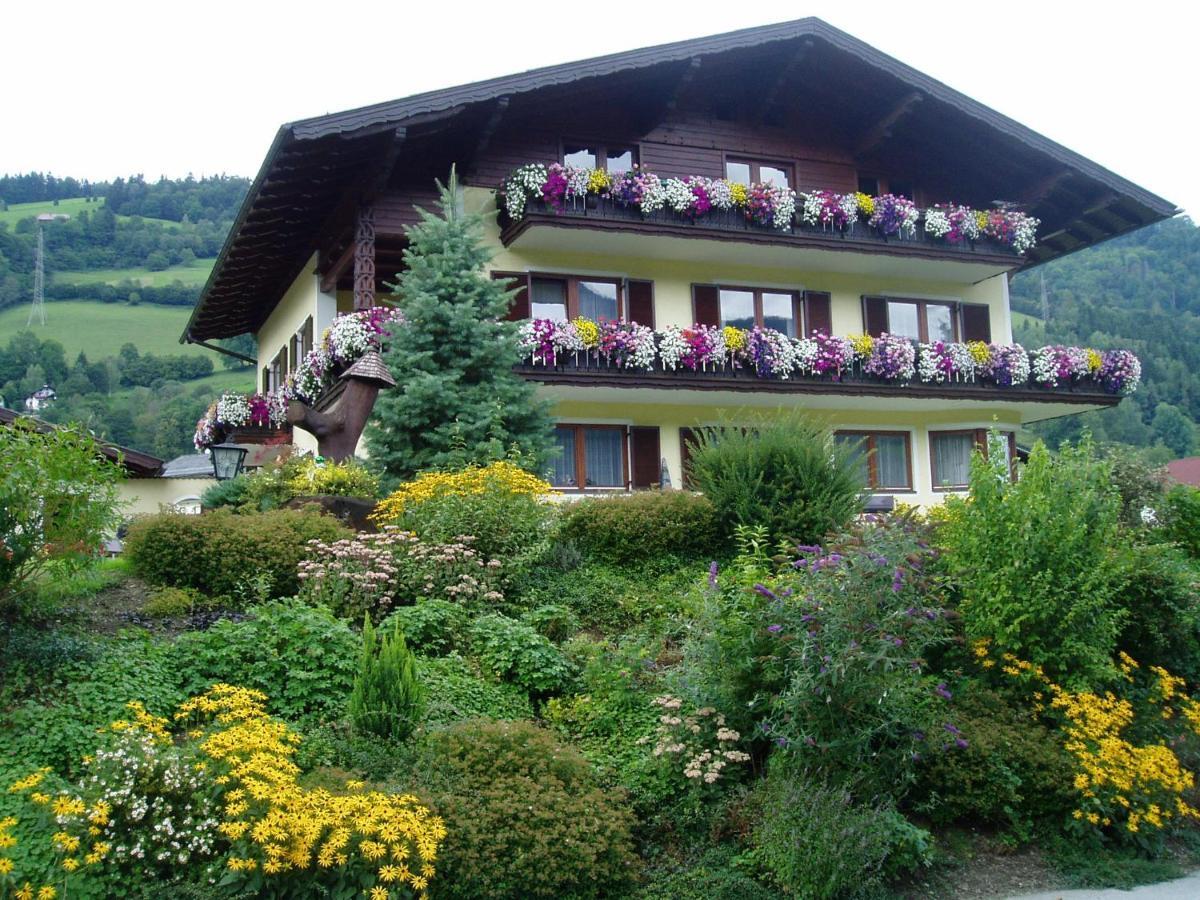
773,218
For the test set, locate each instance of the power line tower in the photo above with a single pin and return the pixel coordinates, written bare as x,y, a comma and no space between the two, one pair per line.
1045,300
38,311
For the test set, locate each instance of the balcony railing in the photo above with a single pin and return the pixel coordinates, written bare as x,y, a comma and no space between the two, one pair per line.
618,354
700,207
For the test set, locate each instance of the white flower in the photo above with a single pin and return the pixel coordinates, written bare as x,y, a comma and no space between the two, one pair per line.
937,222
677,195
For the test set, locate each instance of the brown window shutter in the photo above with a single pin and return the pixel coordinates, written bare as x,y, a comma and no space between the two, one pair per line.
641,303
818,312
647,457
519,310
976,322
875,315
307,340
687,437
706,304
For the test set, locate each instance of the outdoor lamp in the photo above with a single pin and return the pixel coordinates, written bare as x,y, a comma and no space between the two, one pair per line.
227,460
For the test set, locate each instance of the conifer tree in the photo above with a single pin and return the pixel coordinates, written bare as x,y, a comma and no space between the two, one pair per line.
387,699
457,399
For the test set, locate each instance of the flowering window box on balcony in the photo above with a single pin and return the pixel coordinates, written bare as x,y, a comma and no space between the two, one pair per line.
717,209
627,355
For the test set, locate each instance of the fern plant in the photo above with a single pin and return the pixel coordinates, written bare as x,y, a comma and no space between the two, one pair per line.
388,698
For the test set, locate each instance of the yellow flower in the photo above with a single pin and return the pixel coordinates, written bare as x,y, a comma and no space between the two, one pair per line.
25,892
588,331
500,476
738,194
379,893
598,181
862,344
70,864
47,892
735,338
27,782
866,204
6,865
979,352
1094,361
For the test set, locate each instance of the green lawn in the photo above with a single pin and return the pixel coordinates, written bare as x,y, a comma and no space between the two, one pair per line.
215,384
72,207
194,274
99,329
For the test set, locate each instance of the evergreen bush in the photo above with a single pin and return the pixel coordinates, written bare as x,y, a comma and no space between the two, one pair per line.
644,526
387,699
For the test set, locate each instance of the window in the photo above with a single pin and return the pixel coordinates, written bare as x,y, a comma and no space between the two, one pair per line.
746,171
275,374
590,456
564,297
612,158
950,455
899,188
302,343
868,185
747,307
882,456
922,320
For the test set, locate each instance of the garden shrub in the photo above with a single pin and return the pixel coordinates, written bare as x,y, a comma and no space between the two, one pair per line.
516,652
59,727
455,692
217,553
58,500
643,526
213,795
373,573
784,472
1014,774
1038,561
1139,483
816,841
524,815
302,657
611,597
845,627
1183,518
166,602
1161,596
308,475
498,504
714,874
388,698
232,492
552,620
431,627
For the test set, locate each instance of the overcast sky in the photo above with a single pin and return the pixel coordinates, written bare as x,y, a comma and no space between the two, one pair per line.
98,90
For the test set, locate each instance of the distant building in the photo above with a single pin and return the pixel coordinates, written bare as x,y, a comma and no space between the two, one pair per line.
41,398
53,217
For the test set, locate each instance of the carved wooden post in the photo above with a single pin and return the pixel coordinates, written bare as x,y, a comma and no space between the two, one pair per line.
364,259
337,418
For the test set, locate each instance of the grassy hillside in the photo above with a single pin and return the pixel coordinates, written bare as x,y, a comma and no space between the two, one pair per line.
99,329
209,388
73,207
195,273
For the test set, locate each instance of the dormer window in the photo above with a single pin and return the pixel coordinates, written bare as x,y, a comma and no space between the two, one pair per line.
752,171
611,158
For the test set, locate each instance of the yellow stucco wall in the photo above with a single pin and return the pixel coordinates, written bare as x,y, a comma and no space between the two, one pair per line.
149,495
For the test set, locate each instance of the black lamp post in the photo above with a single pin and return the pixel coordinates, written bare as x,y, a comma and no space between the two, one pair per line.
227,460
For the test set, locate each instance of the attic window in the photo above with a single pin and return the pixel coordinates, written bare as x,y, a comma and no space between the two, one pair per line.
752,171
611,158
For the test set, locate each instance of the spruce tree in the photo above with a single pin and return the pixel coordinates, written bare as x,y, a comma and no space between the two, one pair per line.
457,399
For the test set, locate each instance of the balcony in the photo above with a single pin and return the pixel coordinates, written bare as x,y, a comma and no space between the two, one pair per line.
702,366
810,230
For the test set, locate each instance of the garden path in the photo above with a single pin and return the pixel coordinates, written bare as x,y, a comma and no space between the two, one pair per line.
1187,888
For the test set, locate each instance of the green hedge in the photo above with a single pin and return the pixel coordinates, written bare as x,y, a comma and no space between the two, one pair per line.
644,526
220,553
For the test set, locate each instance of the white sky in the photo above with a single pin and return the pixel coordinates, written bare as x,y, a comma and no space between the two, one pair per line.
98,90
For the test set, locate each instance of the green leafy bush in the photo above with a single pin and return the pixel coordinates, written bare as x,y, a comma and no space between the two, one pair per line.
307,475
217,553
232,492
1161,596
1038,561
716,873
516,652
553,620
58,499
388,698
816,841
1183,518
525,816
166,602
645,525
845,627
302,657
785,473
611,597
431,627
1014,773
455,692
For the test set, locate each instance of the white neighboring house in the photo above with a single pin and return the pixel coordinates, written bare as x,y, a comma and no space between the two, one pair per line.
178,485
41,398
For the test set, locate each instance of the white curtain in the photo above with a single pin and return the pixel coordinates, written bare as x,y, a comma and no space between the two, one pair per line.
952,459
602,455
563,474
891,460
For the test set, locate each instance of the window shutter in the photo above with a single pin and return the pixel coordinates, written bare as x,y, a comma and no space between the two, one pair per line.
640,307
519,310
706,304
976,322
818,312
647,456
875,315
308,335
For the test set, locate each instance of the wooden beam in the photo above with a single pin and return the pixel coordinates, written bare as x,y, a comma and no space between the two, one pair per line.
671,101
882,130
489,130
364,259
771,96
1044,188
329,277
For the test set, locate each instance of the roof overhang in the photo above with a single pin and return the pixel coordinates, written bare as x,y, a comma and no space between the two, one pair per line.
313,165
